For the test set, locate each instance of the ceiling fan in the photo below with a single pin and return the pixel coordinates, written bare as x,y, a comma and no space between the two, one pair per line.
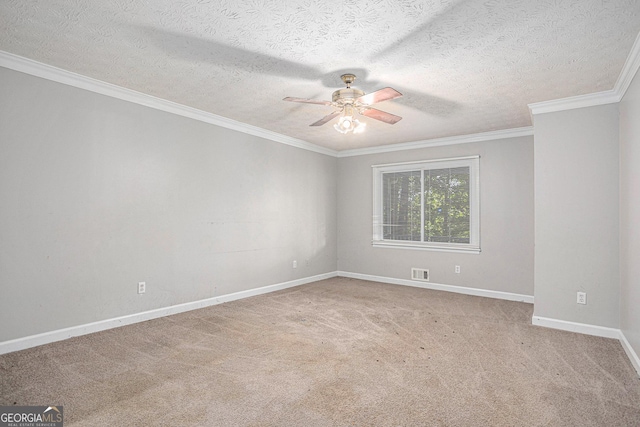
348,102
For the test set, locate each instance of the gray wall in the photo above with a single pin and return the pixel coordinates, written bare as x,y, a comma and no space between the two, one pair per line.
576,215
630,215
97,194
506,220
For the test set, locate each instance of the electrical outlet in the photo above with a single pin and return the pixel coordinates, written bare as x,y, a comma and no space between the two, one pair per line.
457,269
295,264
582,297
142,287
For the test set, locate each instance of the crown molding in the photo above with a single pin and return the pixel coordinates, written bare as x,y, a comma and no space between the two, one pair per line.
573,102
59,75
628,72
449,140
38,69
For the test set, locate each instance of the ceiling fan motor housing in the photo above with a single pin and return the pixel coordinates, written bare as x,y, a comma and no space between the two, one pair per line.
346,96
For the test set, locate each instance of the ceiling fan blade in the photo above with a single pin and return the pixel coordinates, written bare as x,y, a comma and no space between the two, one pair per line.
379,96
307,101
326,118
383,116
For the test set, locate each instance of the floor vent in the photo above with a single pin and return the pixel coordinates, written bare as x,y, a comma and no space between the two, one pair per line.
420,274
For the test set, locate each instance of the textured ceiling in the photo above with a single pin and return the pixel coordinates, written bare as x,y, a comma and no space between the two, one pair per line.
464,66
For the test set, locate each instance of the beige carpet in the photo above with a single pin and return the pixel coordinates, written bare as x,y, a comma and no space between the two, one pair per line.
340,352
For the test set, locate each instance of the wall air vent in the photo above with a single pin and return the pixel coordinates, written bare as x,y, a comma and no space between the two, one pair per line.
420,274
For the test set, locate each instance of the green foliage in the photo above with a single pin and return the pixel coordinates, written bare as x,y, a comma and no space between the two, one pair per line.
446,205
401,209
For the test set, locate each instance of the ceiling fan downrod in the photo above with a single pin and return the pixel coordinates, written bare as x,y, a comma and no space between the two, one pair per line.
348,79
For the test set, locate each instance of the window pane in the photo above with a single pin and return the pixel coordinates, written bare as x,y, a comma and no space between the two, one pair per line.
401,206
446,208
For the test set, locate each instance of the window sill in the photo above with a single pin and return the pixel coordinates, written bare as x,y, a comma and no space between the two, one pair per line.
425,247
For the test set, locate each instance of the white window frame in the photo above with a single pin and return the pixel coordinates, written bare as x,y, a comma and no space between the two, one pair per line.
472,162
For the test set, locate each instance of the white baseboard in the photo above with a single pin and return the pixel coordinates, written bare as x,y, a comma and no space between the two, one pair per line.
62,334
633,356
598,331
440,287
581,328
74,331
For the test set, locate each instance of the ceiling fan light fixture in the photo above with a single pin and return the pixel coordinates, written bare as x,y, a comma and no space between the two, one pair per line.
359,126
348,124
339,128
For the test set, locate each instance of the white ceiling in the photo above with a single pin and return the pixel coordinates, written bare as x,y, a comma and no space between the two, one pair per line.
464,66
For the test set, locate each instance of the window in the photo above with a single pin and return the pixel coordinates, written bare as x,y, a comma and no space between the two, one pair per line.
432,204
